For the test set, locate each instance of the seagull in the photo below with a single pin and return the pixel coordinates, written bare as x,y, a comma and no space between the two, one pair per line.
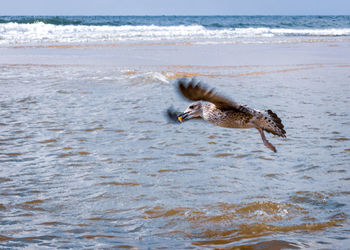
221,111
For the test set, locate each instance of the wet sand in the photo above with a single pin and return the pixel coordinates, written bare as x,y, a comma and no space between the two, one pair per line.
177,53
89,161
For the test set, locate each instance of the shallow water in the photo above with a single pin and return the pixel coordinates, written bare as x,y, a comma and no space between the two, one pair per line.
88,159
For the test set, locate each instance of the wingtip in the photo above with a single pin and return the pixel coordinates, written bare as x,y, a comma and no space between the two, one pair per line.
187,81
172,115
184,85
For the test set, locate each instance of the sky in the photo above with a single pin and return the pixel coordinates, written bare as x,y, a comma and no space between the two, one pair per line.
174,7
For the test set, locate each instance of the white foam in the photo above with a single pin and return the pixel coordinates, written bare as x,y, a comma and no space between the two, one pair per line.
148,77
14,33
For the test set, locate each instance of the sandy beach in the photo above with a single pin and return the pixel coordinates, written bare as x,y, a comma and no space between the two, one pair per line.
88,159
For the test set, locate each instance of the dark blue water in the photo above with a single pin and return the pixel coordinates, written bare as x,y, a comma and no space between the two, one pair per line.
214,22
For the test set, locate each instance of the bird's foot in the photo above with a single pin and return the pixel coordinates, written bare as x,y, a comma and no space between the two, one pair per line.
270,146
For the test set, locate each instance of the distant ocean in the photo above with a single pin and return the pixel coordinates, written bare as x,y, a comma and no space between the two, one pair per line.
200,29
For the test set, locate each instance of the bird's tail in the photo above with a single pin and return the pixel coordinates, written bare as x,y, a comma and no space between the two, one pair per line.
271,123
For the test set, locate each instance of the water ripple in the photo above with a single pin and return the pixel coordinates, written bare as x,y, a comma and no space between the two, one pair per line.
88,160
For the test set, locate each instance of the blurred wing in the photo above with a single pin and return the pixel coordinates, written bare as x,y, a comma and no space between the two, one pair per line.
195,91
172,115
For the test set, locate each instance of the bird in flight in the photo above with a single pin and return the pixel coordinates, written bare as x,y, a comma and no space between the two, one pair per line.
223,112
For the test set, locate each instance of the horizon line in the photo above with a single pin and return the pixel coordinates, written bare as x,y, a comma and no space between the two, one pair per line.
174,15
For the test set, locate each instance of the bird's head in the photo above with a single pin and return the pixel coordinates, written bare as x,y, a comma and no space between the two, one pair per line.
194,110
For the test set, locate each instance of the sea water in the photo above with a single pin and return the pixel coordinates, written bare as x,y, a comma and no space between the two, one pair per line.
88,159
81,29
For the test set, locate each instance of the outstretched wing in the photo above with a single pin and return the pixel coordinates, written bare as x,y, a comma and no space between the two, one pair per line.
196,91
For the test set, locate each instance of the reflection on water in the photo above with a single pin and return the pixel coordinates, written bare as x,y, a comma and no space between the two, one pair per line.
88,160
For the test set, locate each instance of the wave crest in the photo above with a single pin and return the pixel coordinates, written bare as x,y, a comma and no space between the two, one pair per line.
40,32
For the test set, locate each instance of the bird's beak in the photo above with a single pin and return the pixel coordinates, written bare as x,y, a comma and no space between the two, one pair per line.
183,117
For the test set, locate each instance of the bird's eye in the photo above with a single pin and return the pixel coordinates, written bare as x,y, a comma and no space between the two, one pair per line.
192,107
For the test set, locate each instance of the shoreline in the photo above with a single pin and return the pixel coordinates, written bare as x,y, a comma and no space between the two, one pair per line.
184,53
166,43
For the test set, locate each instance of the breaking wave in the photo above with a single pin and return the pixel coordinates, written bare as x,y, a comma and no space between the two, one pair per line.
40,32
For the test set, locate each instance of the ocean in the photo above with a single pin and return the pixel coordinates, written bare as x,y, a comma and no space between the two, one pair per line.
200,29
89,160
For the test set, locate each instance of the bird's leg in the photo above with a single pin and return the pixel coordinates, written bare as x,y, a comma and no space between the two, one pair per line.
266,142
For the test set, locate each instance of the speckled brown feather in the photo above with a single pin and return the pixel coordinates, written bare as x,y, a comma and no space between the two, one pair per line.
195,91
223,112
235,113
